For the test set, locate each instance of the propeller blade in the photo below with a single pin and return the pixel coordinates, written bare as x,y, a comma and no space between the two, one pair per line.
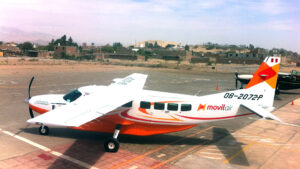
31,113
29,87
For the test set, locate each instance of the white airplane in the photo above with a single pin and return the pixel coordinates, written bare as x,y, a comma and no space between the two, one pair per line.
124,107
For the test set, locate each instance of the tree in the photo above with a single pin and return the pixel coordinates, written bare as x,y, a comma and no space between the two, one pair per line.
156,45
117,45
251,47
63,40
187,48
70,41
1,42
107,49
26,46
169,46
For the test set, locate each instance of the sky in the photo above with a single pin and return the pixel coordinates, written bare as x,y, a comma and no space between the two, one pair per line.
263,23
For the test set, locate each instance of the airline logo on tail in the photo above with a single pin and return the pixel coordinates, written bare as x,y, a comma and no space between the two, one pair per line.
267,72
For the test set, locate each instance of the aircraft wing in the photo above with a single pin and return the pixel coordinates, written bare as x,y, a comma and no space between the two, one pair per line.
261,112
133,81
88,108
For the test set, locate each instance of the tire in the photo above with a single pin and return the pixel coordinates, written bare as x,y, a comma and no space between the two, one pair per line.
111,145
44,131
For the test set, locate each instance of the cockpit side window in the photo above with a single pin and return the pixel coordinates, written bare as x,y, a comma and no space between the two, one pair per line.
72,96
129,104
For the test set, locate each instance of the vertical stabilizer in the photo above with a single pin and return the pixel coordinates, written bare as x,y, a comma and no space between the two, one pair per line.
265,79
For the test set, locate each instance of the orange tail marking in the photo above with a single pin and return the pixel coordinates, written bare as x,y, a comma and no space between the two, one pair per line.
270,78
272,81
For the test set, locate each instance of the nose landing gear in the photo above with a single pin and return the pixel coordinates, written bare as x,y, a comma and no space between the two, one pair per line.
44,130
112,144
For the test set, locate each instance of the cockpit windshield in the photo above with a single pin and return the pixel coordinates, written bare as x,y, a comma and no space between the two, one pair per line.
72,96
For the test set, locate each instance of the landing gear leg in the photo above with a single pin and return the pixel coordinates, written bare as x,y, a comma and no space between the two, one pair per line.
44,130
277,91
241,86
112,144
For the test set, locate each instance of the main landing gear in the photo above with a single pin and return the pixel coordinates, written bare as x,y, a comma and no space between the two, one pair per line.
44,130
112,144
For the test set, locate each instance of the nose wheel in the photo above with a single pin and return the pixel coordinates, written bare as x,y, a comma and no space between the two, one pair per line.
112,144
44,130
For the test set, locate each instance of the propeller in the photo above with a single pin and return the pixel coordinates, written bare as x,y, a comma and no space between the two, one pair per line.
236,80
29,87
29,96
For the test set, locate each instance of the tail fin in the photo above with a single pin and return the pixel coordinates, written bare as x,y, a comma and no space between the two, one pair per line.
265,79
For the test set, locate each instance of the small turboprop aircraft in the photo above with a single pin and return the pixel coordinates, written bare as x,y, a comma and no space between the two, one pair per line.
124,107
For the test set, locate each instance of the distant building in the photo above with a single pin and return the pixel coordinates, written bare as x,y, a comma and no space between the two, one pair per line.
32,53
10,49
158,42
45,54
61,51
245,55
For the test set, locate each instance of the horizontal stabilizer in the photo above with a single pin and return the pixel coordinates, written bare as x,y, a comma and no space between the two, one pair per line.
261,112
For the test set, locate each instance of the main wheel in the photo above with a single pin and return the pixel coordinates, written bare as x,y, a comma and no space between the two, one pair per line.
44,130
111,145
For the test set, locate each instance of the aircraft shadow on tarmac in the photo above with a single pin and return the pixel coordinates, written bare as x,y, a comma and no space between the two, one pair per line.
88,146
229,146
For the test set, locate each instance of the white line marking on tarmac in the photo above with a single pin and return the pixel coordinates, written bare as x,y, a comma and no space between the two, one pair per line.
210,153
215,158
134,167
161,155
58,154
212,149
289,124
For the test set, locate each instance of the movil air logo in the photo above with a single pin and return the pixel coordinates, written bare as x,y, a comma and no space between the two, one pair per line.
222,107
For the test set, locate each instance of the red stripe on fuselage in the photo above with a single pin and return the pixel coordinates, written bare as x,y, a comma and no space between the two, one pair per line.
215,118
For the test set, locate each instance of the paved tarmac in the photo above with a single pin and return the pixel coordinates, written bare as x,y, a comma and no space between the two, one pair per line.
247,142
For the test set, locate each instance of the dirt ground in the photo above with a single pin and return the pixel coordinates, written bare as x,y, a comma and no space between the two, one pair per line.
27,65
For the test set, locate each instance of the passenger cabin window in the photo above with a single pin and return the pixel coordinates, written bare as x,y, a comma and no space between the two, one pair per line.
172,106
72,96
145,105
186,107
129,104
159,106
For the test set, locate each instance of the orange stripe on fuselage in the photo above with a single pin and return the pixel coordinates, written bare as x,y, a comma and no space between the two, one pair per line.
108,124
143,111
